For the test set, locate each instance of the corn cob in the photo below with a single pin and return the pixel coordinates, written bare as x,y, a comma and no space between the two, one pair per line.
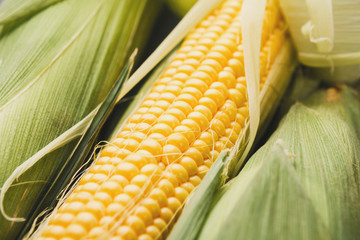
197,108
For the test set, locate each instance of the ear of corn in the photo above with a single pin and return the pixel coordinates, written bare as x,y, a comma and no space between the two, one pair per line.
55,69
308,191
197,108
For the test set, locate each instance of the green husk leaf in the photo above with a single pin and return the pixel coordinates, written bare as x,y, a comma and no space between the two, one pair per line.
328,162
300,89
262,208
252,18
344,100
195,212
326,158
56,69
14,10
82,151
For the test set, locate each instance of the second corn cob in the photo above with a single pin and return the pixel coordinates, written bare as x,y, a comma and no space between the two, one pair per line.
197,108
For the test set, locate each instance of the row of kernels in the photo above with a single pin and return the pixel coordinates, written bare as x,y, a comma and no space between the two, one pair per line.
202,27
269,52
204,36
111,151
237,66
143,216
237,96
216,31
137,127
275,42
156,206
75,224
272,15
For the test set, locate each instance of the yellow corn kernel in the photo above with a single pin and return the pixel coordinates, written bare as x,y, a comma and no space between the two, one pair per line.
144,214
195,180
136,223
153,231
145,237
126,233
75,231
174,204
152,205
159,195
124,199
181,194
96,208
189,164
171,154
114,209
128,170
132,190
